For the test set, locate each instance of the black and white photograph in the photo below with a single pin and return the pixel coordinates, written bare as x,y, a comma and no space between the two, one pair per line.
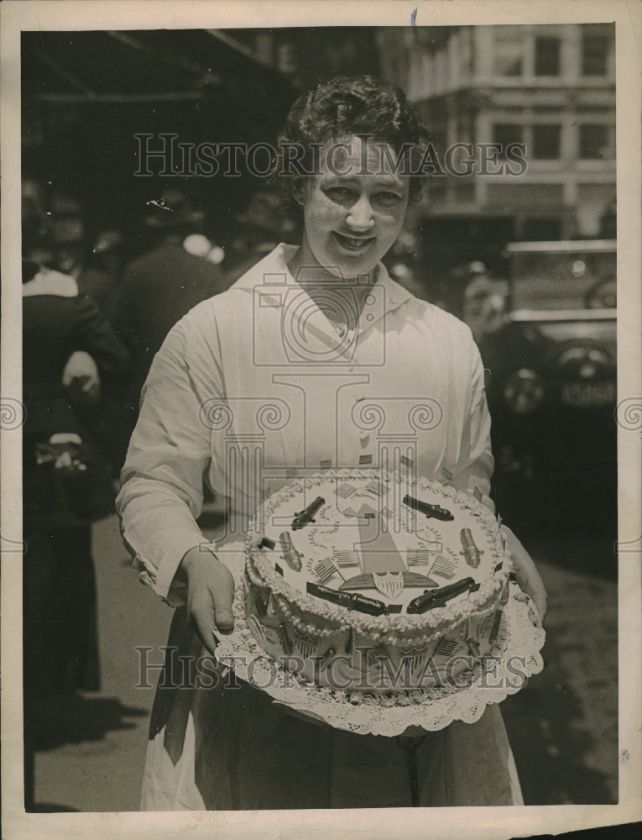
319,415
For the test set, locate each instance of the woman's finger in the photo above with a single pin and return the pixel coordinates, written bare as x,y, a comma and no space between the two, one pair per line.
201,612
528,577
223,596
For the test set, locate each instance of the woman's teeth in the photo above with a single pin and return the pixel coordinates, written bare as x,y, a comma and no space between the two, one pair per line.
353,242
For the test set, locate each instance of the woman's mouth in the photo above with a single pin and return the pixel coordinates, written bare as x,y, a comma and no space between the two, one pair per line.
355,244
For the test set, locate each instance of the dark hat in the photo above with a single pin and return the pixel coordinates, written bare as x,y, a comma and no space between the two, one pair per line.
171,211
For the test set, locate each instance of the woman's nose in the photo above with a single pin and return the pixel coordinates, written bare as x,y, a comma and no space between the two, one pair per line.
360,215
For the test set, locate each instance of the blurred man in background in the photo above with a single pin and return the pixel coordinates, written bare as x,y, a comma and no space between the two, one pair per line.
161,286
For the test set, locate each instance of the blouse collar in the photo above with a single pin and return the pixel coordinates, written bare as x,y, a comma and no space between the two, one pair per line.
272,272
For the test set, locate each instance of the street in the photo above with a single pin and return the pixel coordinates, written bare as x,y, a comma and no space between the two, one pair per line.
562,726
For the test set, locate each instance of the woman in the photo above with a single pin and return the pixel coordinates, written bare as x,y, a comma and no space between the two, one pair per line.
310,348
67,485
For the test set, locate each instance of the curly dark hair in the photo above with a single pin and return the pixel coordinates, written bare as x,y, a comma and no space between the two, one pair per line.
351,105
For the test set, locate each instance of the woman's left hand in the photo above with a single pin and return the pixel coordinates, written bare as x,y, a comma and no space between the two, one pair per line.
527,575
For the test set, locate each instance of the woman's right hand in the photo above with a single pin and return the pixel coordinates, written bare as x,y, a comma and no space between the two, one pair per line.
210,593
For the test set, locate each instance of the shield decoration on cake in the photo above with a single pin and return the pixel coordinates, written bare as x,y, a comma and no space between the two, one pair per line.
389,583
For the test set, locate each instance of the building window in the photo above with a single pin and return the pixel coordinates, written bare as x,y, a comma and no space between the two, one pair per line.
509,51
594,142
286,58
547,56
595,50
505,134
546,142
263,45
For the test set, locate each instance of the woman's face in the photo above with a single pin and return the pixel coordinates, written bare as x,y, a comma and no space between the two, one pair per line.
354,209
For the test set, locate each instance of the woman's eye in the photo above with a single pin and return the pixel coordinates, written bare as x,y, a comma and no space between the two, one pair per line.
388,199
339,193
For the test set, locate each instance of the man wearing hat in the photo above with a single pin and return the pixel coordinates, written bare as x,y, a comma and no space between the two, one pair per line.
161,286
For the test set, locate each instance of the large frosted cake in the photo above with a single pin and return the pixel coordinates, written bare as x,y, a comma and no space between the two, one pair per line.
364,581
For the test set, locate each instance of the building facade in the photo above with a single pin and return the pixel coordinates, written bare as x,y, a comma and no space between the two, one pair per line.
549,87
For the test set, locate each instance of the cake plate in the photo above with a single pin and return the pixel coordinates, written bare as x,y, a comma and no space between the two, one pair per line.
514,657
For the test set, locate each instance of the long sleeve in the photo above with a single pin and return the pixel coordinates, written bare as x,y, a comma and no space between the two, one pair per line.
475,469
94,334
162,479
126,309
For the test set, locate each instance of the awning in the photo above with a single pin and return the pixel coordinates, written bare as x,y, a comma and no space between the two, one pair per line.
156,65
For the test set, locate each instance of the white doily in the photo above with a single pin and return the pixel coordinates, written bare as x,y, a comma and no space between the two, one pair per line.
514,657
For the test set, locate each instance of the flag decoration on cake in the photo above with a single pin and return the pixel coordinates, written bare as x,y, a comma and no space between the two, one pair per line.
444,566
324,569
445,647
495,629
345,558
344,491
418,556
304,644
413,658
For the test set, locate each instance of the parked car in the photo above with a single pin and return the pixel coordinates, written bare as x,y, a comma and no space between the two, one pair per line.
551,384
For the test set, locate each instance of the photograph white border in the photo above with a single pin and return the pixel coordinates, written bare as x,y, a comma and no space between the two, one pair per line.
487,822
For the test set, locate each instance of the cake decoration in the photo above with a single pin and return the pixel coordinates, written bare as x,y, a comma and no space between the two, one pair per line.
346,490
288,647
349,600
324,569
291,556
375,576
470,550
388,583
306,516
325,658
305,645
444,567
438,597
495,628
434,511
345,559
445,647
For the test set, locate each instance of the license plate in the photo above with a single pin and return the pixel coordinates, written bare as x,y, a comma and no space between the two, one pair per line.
588,394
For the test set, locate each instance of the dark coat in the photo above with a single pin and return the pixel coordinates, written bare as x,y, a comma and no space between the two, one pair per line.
57,321
157,289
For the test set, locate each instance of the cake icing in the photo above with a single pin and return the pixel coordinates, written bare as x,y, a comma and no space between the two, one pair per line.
366,581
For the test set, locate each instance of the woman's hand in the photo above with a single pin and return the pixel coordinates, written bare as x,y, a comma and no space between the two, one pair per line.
527,575
210,592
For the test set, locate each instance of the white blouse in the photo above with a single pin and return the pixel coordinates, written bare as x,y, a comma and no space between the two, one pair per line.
256,384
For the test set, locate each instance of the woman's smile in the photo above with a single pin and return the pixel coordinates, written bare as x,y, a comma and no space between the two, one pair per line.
353,244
